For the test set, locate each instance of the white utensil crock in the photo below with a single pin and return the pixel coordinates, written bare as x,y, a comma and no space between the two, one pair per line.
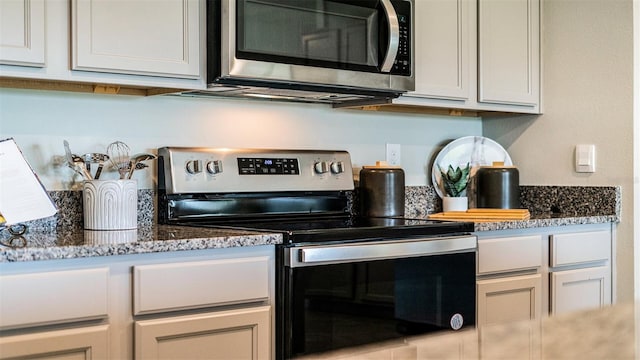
110,204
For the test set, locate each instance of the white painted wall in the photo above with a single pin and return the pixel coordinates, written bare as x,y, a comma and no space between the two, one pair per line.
636,145
588,99
40,121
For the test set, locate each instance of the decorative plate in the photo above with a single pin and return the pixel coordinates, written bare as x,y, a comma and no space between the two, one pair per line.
474,150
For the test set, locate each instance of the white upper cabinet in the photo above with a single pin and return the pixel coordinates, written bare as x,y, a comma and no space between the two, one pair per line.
477,55
140,37
445,26
120,46
509,52
22,32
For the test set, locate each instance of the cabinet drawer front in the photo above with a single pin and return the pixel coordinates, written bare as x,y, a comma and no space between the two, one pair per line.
577,248
167,287
27,298
509,254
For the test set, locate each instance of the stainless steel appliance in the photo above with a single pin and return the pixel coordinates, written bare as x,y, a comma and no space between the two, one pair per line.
341,280
329,51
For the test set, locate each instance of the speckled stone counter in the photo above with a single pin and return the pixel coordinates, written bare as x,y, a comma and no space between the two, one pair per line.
77,243
608,333
61,236
548,205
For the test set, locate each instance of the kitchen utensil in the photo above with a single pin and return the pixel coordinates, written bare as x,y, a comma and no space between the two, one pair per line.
95,158
498,187
474,150
67,153
137,159
118,153
81,166
382,190
75,162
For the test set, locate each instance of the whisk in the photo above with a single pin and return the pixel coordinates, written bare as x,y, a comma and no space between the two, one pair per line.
119,157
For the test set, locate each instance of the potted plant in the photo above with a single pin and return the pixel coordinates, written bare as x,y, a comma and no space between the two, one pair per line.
454,183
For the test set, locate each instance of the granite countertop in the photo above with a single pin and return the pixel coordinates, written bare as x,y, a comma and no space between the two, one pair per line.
607,333
547,220
61,236
77,243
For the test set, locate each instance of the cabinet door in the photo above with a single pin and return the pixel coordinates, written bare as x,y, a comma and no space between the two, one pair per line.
137,37
443,49
22,32
509,52
509,299
73,344
233,334
581,289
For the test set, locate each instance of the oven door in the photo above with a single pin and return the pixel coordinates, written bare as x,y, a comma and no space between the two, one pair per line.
339,296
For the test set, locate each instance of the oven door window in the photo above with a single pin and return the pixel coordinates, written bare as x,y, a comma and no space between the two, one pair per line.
343,34
344,305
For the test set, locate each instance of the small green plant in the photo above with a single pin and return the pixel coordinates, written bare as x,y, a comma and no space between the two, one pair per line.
455,181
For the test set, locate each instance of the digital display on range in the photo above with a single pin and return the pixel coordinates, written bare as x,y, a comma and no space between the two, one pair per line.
268,166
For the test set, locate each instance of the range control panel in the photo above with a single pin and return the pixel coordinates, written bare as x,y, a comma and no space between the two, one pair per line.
268,166
212,170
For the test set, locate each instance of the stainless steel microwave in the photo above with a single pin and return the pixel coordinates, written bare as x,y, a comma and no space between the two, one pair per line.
333,51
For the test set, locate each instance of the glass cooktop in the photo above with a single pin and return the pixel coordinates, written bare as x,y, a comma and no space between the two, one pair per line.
296,231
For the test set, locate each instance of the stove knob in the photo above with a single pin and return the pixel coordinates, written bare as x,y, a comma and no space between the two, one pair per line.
337,167
214,167
321,167
194,166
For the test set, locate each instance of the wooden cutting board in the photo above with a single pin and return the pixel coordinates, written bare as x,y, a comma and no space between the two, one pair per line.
483,215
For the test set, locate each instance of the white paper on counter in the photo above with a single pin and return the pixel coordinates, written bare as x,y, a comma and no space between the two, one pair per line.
22,196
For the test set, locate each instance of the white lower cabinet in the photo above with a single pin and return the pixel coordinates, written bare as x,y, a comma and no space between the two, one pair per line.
205,304
530,273
580,271
89,343
233,334
580,289
241,333
509,299
509,285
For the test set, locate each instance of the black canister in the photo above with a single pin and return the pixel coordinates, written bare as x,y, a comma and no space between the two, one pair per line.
498,187
382,191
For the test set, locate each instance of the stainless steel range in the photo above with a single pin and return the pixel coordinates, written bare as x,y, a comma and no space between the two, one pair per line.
341,280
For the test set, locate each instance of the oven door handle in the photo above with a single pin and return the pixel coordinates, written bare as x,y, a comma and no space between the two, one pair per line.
345,253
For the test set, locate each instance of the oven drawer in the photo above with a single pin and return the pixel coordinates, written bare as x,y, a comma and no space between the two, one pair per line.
506,254
199,284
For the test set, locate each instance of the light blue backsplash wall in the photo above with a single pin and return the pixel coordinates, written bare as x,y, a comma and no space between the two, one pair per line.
39,121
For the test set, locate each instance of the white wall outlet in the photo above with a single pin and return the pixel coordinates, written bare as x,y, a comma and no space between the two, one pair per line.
393,154
585,158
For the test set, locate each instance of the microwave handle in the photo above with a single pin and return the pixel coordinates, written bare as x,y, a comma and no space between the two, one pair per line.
394,36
